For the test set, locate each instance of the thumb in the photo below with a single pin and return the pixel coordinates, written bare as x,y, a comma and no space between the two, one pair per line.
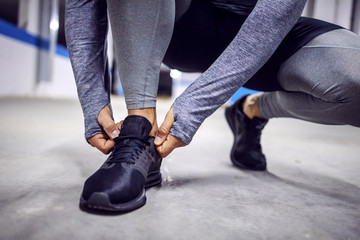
110,128
165,127
108,123
169,145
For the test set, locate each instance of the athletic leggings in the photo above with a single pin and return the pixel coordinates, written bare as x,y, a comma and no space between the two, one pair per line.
321,82
141,32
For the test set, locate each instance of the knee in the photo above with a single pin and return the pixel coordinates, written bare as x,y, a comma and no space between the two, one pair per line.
350,88
349,94
353,103
345,91
345,100
353,95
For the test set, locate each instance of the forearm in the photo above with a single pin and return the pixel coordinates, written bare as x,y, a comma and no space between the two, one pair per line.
256,41
86,29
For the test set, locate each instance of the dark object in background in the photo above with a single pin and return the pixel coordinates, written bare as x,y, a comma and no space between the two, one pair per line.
165,82
115,80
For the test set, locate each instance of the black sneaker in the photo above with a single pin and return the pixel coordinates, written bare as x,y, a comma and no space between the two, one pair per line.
133,165
246,152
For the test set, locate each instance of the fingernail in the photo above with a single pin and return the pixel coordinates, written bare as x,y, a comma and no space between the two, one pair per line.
157,140
115,133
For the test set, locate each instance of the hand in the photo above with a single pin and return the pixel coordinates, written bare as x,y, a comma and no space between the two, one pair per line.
105,142
165,142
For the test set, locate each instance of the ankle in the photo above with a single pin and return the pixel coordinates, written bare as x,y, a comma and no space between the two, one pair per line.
149,114
250,106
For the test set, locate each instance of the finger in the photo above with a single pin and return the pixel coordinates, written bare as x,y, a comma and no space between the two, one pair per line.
169,145
165,127
94,139
111,129
105,146
102,143
118,125
108,123
108,146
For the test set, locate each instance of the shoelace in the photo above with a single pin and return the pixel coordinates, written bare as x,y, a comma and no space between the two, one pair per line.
127,148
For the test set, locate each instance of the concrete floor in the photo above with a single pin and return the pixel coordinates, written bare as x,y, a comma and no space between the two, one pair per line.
310,191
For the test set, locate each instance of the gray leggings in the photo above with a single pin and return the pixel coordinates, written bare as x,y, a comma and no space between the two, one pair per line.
140,44
322,82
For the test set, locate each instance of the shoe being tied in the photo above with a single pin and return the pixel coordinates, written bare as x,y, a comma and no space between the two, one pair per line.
246,151
133,165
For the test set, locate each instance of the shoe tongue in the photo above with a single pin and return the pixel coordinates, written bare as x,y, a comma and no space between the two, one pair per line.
135,126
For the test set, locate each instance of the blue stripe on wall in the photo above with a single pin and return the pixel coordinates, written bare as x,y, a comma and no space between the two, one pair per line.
12,31
241,92
62,51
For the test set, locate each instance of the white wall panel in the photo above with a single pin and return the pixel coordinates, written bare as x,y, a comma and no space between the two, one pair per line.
356,20
343,13
18,62
17,66
62,83
334,11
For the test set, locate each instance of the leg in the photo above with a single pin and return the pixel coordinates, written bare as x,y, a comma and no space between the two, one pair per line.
322,85
142,32
322,82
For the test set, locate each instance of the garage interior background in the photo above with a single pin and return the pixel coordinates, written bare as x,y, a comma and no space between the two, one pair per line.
34,60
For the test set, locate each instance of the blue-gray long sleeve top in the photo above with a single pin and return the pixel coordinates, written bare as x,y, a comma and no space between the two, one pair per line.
86,26
258,38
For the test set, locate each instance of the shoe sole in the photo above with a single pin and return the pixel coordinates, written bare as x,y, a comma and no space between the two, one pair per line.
232,127
101,201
